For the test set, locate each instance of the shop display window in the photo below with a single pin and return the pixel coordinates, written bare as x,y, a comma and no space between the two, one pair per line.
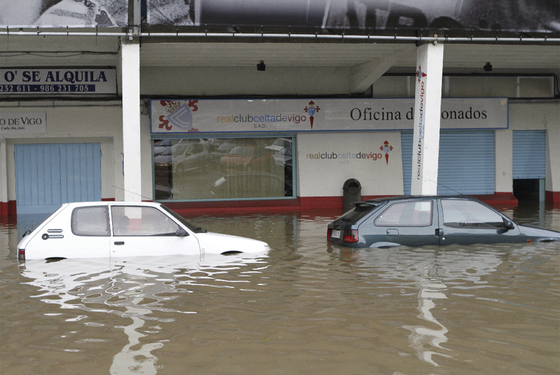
222,168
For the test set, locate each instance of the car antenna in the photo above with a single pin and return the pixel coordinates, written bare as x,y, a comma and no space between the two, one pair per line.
128,191
445,186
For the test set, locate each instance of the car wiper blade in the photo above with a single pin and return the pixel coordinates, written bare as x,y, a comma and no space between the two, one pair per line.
345,219
374,204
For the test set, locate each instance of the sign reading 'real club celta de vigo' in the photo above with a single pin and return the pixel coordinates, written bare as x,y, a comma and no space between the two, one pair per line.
319,114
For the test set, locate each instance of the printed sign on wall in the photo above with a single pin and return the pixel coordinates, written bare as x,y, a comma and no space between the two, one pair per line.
68,81
298,115
23,123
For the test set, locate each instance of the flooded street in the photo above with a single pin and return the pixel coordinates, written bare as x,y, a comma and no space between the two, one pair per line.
307,308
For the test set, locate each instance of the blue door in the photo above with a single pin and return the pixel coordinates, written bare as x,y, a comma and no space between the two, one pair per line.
529,154
48,175
529,163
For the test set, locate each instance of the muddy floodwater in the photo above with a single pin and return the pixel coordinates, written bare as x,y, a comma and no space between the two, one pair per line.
307,308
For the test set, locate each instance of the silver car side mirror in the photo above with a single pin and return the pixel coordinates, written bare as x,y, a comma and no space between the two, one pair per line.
508,224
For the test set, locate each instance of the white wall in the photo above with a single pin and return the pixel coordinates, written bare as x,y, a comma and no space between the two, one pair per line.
321,176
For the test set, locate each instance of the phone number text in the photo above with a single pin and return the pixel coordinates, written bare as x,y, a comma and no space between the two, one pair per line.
21,89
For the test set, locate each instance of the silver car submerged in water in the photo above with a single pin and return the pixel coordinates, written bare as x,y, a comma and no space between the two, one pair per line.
429,220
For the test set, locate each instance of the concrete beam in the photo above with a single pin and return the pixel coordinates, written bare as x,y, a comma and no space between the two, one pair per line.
365,75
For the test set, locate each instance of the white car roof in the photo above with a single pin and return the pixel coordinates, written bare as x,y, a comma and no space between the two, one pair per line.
112,203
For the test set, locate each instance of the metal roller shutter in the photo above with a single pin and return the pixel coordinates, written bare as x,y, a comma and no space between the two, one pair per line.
466,162
529,154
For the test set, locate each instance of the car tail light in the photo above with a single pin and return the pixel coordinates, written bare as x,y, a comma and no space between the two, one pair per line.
329,233
350,235
21,254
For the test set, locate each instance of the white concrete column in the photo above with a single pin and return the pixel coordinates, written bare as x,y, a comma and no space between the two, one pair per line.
3,178
132,166
427,112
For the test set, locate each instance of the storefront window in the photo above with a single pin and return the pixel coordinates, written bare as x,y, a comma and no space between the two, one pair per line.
223,168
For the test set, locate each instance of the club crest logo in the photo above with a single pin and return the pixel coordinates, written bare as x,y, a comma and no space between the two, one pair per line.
180,115
420,74
311,109
386,148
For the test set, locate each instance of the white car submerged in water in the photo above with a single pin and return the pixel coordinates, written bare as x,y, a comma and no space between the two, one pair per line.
119,229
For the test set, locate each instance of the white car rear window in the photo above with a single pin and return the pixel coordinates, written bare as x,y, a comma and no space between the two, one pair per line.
90,221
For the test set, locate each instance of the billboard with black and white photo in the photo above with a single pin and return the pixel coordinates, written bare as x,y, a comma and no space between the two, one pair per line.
487,15
64,13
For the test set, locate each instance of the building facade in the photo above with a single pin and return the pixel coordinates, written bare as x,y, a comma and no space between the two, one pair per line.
226,119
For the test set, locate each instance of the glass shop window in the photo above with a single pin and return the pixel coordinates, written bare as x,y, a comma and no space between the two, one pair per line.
223,168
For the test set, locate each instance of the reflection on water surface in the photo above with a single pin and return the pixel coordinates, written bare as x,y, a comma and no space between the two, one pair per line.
306,308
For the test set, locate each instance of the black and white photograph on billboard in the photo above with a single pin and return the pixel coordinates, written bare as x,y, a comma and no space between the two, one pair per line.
486,15
64,13
171,12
